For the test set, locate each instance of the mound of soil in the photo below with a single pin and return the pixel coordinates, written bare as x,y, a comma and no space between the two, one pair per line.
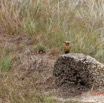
77,73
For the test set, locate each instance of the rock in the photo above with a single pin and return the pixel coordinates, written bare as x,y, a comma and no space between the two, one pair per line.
78,70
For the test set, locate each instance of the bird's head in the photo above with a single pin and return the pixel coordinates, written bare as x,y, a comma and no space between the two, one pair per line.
67,43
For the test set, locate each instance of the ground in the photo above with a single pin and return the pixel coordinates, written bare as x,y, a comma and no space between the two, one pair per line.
30,78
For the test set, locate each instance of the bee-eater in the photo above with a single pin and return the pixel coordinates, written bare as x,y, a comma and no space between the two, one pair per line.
67,47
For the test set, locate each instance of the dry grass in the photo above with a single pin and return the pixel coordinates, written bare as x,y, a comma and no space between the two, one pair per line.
21,83
51,22
46,22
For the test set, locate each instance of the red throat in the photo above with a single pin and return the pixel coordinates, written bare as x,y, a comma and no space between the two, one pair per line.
67,44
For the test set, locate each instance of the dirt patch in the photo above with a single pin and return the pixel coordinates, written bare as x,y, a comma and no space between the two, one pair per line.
27,64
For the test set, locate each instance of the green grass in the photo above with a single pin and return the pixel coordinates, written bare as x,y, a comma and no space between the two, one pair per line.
40,48
5,63
100,55
53,22
5,60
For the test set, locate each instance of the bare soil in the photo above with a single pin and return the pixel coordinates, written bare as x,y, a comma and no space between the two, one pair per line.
28,61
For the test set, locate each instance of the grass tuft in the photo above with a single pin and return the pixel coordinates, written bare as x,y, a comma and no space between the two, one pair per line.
40,48
5,63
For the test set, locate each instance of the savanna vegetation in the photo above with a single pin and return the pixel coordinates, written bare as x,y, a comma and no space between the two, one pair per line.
47,23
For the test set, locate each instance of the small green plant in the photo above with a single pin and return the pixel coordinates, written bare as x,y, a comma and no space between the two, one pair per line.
5,63
40,48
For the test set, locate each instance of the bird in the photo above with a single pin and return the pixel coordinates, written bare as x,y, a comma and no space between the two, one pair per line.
67,47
